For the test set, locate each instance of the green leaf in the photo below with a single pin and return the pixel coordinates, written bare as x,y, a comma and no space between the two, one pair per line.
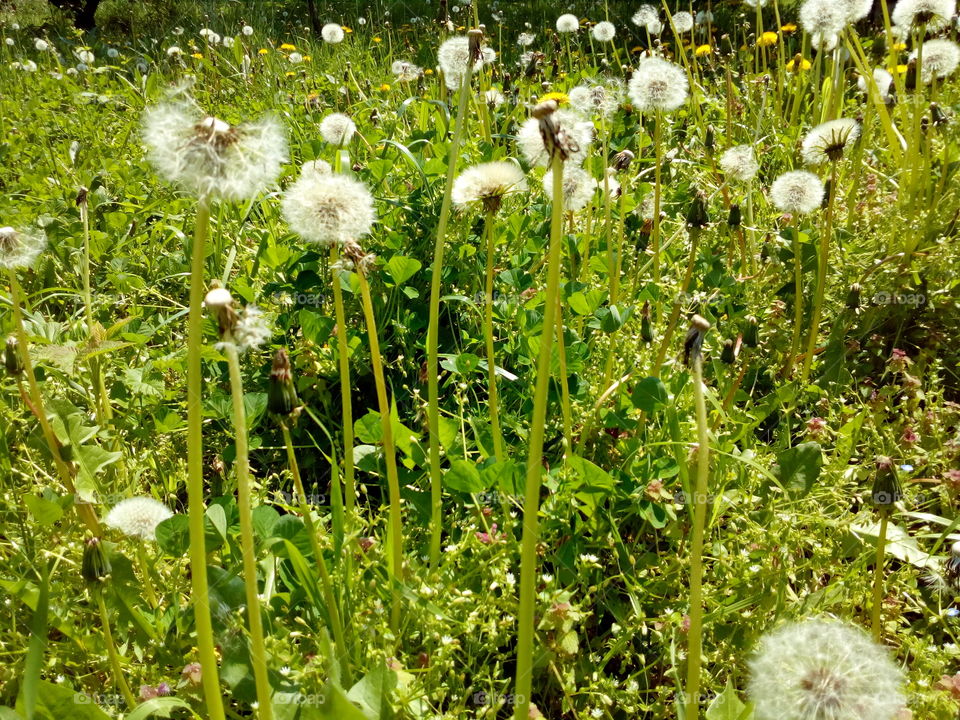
45,512
371,692
56,702
586,303
339,707
403,268
264,520
38,644
316,328
463,476
649,394
173,535
160,707
727,706
799,467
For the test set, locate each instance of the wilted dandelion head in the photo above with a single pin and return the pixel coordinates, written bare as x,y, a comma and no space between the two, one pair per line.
487,183
575,135
493,97
332,33
251,330
940,58
568,23
739,163
209,157
822,669
138,517
405,71
658,84
525,39
337,129
932,13
20,248
797,191
604,31
328,208
683,21
828,141
454,56
597,98
645,15
823,20
578,186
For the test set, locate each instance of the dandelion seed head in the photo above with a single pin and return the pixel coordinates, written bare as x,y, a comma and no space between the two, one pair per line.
797,191
855,10
658,84
828,141
704,17
755,3
604,31
883,80
174,51
683,22
218,297
578,186
20,248
41,45
823,20
209,157
568,23
488,183
493,97
405,71
327,208
332,33
940,59
247,30
251,330
576,132
597,98
525,39
337,129
137,517
739,163
317,167
453,58
822,669
935,14
645,15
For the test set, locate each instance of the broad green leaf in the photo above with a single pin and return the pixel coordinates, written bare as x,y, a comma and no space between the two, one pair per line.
727,706
463,476
173,535
403,268
45,512
57,702
371,691
649,394
799,467
160,707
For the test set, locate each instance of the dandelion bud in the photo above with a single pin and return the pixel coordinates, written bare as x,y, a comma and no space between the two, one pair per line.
853,296
886,485
95,567
751,331
281,394
693,345
708,138
729,353
622,160
697,216
646,326
936,112
11,358
734,218
220,302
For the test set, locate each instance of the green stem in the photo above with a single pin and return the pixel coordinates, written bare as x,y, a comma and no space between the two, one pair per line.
655,234
567,413
328,595
196,510
433,328
390,454
797,301
118,677
878,577
678,303
822,262
531,504
148,589
346,402
695,634
494,402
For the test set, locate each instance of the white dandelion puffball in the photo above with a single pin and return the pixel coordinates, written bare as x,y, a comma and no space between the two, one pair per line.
328,208
822,669
568,23
295,58
578,186
20,248
525,39
828,141
217,297
797,191
940,58
704,17
41,45
658,84
683,21
654,27
597,98
453,57
332,33
405,71
882,79
609,184
932,13
247,30
577,133
174,51
487,183
855,10
318,167
739,163
85,56
337,129
251,330
493,97
645,15
209,157
604,31
823,20
137,517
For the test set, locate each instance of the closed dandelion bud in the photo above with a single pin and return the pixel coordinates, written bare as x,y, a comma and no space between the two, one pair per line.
95,567
728,354
281,395
693,345
11,358
622,160
734,218
646,326
936,112
827,193
697,216
708,139
506,82
751,332
853,296
886,485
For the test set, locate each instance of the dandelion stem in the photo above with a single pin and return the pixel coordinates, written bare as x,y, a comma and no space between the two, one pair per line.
822,262
433,327
390,455
678,303
797,300
114,656
488,335
655,234
878,576
148,589
531,503
196,510
346,403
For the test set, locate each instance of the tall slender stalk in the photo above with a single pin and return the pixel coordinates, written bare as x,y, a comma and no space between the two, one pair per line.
433,326
112,653
389,451
822,263
346,402
195,510
655,235
797,301
531,503
878,577
494,399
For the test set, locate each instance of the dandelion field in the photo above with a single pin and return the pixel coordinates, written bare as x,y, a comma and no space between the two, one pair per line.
661,301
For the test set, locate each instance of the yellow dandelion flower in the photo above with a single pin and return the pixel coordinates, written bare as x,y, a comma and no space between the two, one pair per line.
561,98
290,74
376,40
263,51
461,28
899,47
198,56
768,39
804,64
788,28
385,88
428,71
898,70
346,29
636,50
703,50
288,47
307,58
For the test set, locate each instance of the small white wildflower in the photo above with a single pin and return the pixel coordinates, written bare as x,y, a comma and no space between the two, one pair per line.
488,183
285,670
20,248
604,31
658,84
137,517
332,33
337,129
739,163
327,209
828,141
797,191
940,59
568,23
